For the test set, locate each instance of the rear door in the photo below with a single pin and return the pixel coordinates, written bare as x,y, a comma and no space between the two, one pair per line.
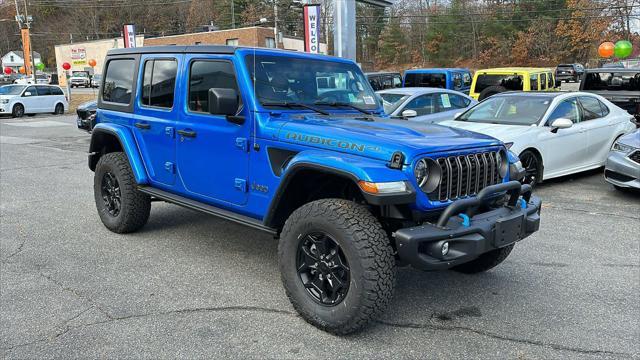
600,128
156,111
212,152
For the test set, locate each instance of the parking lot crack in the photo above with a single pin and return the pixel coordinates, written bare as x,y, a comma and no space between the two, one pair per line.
493,335
78,294
591,212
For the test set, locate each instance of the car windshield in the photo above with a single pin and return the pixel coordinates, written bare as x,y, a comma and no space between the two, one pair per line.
80,74
391,101
436,80
620,81
508,110
289,80
509,82
11,89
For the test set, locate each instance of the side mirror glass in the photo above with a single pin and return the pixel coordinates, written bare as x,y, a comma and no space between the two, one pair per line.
409,114
27,93
223,101
561,123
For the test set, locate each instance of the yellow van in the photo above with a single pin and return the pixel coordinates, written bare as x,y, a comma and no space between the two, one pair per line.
489,82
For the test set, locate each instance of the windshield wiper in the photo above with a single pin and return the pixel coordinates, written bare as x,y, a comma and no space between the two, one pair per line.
290,105
343,104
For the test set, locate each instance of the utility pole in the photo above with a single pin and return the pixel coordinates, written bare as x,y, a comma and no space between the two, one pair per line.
33,59
233,15
275,22
24,22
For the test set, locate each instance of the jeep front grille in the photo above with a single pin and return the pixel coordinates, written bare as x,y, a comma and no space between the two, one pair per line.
635,156
466,175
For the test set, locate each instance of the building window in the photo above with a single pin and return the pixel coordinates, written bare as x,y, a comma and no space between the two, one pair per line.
270,42
198,42
232,42
12,59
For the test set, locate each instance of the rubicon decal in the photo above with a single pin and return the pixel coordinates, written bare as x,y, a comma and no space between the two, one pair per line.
341,144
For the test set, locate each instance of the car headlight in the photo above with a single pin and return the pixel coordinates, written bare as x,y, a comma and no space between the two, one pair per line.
421,172
502,163
4,101
623,148
427,173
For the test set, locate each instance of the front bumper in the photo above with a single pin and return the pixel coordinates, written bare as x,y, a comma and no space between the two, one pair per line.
621,171
471,235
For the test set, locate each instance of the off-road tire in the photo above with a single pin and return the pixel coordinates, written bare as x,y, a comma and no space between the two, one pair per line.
367,250
490,91
135,206
486,261
17,111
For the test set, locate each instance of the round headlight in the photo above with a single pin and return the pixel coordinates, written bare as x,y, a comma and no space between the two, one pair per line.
421,172
502,161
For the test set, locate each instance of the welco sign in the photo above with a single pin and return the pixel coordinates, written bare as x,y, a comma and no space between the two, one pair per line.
311,28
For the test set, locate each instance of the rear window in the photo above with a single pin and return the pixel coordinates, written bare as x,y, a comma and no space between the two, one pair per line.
565,67
616,81
118,82
436,80
510,82
56,91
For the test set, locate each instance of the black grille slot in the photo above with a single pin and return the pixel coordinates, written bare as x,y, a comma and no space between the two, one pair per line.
466,175
635,156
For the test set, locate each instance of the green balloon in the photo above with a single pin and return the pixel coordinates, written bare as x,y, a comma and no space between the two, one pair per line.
40,66
623,49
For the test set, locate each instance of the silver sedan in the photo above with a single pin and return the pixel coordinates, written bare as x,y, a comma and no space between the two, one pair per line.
622,168
429,105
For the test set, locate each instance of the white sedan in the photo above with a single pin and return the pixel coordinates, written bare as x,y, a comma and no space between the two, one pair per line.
554,133
18,100
428,105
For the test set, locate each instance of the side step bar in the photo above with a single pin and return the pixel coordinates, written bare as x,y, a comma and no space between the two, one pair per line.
212,210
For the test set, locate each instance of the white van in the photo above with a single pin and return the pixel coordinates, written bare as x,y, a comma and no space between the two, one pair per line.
19,100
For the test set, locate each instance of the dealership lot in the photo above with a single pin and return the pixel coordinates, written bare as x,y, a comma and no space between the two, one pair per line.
194,286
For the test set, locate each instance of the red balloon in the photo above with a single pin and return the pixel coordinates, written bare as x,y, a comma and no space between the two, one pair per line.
92,63
7,70
66,66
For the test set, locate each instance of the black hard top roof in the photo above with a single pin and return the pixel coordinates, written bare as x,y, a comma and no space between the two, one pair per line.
613,70
209,49
382,73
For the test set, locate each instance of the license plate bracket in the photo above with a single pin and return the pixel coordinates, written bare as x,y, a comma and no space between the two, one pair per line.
508,230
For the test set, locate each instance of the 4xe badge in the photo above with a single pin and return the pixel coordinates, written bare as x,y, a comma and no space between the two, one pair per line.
260,188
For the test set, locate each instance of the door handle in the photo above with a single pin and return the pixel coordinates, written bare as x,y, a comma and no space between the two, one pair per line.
142,126
187,133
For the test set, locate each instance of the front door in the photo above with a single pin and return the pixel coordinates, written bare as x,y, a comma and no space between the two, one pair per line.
31,101
155,113
212,152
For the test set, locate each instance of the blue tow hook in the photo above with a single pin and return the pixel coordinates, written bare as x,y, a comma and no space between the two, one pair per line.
465,220
523,203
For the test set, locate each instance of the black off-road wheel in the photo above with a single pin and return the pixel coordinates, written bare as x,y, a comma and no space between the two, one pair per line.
122,208
17,111
337,265
486,261
533,168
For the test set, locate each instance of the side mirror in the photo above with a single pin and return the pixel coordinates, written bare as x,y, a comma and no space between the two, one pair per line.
223,101
561,123
27,93
409,114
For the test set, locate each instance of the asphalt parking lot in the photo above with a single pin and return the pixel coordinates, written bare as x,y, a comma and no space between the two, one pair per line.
193,286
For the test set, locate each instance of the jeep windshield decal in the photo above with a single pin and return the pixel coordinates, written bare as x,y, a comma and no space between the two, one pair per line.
340,144
310,82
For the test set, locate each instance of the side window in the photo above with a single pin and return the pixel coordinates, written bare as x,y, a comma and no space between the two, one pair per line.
387,82
423,105
397,81
457,81
466,79
591,108
543,81
118,83
158,83
534,82
567,109
56,91
43,90
32,90
447,102
550,83
205,75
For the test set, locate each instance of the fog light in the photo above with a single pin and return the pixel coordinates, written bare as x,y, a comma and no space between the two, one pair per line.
445,248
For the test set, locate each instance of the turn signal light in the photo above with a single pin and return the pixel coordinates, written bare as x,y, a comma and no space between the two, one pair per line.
383,187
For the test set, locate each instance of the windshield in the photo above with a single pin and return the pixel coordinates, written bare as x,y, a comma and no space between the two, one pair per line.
390,101
508,110
11,89
509,82
620,81
280,79
436,80
80,74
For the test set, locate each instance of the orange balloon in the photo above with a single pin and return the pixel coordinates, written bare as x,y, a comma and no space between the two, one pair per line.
92,63
606,49
21,69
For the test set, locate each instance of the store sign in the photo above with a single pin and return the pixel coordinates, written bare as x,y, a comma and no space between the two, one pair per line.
79,56
129,34
312,28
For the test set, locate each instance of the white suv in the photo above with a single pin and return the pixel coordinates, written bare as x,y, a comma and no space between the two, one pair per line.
18,100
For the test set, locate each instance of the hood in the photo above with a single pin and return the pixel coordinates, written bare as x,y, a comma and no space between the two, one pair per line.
379,139
632,139
2,97
505,133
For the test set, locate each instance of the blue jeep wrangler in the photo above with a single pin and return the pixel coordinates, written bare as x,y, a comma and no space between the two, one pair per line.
297,145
